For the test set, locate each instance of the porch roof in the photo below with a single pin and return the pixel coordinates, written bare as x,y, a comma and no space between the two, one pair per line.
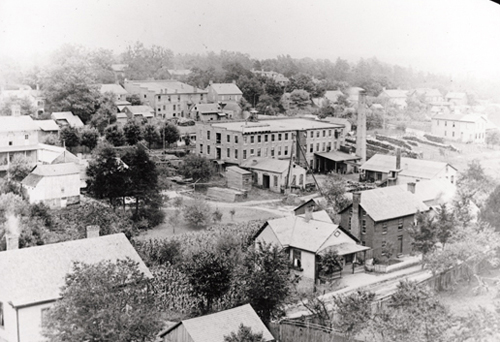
346,248
337,156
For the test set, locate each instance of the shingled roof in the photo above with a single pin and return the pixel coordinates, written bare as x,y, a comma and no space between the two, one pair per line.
226,88
213,327
36,274
266,164
417,168
391,202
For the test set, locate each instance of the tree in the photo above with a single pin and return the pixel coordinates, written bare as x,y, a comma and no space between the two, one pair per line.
69,137
132,131
19,168
89,137
424,233
489,212
209,274
134,99
170,133
353,312
114,135
300,98
413,314
265,280
69,84
151,134
24,103
198,213
244,334
105,113
475,182
107,174
493,137
197,167
267,105
334,189
331,261
102,302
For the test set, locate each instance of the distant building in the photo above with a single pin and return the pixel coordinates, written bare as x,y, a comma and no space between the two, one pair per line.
353,94
277,77
330,98
64,119
460,127
179,74
456,98
394,96
32,278
56,185
223,92
137,112
169,99
34,97
238,178
116,89
275,174
119,70
207,112
214,327
386,168
235,142
380,218
47,128
430,95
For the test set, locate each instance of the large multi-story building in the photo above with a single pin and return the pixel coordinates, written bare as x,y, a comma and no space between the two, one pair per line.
223,92
169,99
464,128
235,142
18,137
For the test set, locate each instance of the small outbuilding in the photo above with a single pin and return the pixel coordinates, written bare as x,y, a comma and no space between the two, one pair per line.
239,179
56,185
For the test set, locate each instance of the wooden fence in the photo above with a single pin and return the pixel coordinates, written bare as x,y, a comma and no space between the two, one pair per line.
299,331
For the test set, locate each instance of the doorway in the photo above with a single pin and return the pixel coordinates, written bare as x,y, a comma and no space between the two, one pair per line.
265,181
400,244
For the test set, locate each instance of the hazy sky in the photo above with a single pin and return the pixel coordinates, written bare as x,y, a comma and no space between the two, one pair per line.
450,36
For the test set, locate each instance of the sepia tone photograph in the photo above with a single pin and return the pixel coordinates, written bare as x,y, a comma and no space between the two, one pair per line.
249,171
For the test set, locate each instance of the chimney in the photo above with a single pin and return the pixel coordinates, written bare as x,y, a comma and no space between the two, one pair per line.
234,81
398,158
92,232
411,187
356,201
12,241
254,162
308,216
361,130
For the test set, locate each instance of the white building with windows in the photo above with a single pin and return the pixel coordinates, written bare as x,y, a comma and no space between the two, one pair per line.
459,127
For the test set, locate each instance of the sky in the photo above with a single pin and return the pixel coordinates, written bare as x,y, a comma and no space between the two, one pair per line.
459,37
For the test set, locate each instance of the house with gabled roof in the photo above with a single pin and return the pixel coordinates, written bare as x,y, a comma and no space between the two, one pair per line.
31,278
456,98
401,170
47,128
116,89
214,327
468,127
379,218
18,138
304,238
223,92
56,185
64,119
394,96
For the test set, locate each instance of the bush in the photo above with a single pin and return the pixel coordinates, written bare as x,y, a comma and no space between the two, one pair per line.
198,213
434,138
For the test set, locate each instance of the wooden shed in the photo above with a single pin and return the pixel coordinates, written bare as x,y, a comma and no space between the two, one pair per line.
238,178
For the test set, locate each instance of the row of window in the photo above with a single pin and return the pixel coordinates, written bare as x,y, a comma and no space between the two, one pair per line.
169,97
324,147
265,138
384,224
260,152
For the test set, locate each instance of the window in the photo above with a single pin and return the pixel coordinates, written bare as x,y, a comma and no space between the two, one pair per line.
201,97
229,153
258,152
311,148
169,99
317,134
452,134
244,154
208,149
400,224
2,322
384,244
317,147
245,139
363,229
252,139
453,125
272,137
286,150
323,147
145,96
329,132
445,123
175,107
235,139
349,224
259,138
251,151
228,138
178,97
452,178
279,150
363,243
324,133
235,153
265,138
364,213
279,136
312,134
286,136
296,257
26,136
275,180
208,135
329,146
272,152
384,228
164,107
10,143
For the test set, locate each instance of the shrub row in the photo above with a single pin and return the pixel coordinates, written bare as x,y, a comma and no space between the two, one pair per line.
428,142
434,138
394,141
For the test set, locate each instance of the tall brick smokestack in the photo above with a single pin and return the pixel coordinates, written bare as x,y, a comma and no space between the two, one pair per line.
361,130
